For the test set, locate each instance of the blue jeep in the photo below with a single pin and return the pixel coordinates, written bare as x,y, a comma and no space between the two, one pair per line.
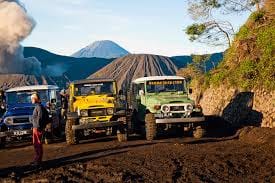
16,122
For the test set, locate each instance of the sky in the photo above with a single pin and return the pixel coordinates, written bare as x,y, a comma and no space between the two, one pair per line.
139,26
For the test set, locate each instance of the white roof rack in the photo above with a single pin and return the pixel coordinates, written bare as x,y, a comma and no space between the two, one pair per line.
33,88
157,78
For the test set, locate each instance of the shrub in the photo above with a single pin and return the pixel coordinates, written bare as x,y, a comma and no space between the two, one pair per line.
266,41
247,74
243,32
257,16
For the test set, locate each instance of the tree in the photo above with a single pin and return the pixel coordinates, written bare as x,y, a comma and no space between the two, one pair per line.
195,69
211,30
200,62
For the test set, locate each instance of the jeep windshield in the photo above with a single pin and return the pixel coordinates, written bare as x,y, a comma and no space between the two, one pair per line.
24,97
94,89
166,86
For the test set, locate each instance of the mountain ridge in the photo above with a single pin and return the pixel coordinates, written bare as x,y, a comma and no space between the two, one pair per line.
60,70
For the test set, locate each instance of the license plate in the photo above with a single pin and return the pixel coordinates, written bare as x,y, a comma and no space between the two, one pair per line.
20,132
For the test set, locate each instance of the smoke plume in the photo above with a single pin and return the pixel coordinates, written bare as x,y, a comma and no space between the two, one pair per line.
15,25
55,70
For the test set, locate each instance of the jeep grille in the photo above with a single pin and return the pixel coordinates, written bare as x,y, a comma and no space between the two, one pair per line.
177,108
21,120
97,112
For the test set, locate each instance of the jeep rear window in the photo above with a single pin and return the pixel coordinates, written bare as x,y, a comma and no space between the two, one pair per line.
94,89
165,86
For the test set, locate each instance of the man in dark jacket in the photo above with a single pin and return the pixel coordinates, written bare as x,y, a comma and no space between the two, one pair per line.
2,103
64,106
39,122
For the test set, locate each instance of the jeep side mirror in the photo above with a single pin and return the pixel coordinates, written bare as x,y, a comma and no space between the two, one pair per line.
190,91
141,92
120,92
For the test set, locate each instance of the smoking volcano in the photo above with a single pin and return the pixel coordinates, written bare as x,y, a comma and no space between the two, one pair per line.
15,26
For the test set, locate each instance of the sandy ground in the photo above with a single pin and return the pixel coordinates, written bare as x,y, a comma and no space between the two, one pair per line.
248,157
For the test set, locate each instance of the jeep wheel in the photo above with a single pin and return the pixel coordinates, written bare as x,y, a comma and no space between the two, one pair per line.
71,137
150,126
2,142
199,132
122,135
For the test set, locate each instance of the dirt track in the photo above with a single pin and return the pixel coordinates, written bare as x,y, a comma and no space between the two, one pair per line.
248,159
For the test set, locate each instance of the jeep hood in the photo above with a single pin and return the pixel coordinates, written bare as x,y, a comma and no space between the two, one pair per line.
166,99
19,110
93,101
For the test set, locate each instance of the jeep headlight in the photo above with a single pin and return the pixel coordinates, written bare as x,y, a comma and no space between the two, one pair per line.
189,107
8,121
165,109
84,112
110,111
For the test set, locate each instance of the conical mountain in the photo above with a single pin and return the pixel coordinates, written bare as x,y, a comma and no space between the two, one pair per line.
133,66
101,49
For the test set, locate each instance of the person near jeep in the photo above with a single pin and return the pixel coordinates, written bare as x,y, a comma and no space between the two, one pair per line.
2,103
39,121
64,105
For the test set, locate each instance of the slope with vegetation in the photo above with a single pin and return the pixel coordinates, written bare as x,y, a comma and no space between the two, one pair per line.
250,62
242,87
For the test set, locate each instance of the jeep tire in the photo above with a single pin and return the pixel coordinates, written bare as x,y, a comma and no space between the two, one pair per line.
199,132
2,142
150,126
71,136
122,135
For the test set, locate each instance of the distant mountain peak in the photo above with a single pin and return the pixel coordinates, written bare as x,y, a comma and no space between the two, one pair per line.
101,49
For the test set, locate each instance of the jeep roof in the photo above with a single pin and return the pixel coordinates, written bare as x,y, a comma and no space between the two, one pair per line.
33,87
157,78
83,81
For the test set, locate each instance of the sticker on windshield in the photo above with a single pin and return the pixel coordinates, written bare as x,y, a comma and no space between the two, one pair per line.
93,85
165,82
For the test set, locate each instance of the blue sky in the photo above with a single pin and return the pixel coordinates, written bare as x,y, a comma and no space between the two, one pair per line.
140,26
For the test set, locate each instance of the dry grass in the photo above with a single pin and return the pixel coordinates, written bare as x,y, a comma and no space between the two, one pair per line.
270,8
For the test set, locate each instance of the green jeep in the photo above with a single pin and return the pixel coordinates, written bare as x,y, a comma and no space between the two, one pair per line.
163,102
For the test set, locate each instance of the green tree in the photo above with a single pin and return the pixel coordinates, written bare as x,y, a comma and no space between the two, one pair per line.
199,62
195,69
207,28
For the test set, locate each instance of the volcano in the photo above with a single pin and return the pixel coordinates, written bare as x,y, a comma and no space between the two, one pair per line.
125,69
101,49
14,80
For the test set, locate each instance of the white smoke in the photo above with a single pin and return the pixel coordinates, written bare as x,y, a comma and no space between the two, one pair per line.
15,25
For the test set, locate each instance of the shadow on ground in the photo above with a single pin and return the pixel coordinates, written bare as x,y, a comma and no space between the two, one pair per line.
21,171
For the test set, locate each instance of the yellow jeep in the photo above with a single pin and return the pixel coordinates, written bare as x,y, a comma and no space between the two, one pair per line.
95,106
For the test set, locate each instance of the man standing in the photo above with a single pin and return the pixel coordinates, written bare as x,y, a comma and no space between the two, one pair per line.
2,103
39,122
64,106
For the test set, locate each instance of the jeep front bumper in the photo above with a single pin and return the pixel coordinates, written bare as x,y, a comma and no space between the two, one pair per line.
180,120
91,125
17,133
2,134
